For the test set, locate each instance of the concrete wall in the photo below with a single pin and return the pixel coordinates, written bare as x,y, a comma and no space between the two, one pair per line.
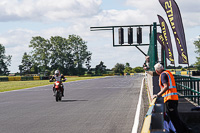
152,83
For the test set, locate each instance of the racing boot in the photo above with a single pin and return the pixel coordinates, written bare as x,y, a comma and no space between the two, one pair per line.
54,91
62,92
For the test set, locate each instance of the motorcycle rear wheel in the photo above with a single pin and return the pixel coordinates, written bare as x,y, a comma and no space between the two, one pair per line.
56,96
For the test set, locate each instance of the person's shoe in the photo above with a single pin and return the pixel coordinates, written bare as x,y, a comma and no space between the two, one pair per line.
189,130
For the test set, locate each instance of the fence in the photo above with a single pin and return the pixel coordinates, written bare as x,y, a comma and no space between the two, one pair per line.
188,87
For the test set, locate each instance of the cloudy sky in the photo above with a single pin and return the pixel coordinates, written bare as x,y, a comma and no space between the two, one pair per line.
20,20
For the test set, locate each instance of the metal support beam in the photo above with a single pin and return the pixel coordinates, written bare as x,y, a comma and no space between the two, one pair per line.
141,51
153,42
113,31
130,45
112,28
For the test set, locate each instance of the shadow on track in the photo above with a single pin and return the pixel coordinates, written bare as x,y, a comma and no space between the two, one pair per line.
72,100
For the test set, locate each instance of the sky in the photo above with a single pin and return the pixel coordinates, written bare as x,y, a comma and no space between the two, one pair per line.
20,20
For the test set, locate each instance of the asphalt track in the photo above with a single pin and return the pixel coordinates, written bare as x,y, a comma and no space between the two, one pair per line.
106,105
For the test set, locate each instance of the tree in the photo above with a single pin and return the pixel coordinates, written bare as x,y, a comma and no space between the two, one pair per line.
138,69
127,69
35,69
67,55
197,46
87,63
79,53
127,65
5,61
119,68
26,64
40,52
183,69
61,54
20,69
100,69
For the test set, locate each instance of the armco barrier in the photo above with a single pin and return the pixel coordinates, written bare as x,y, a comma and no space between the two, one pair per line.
14,78
26,78
36,77
17,78
44,78
3,79
147,120
22,78
11,79
30,78
154,119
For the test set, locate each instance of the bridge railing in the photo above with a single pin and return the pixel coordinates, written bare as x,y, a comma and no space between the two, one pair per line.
188,87
154,119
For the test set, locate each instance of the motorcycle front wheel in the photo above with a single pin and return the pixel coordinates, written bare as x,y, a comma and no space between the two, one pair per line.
60,98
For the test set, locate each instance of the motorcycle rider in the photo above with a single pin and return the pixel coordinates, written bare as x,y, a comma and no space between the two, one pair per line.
59,78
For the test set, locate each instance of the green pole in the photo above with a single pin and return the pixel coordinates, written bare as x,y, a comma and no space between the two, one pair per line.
155,42
152,52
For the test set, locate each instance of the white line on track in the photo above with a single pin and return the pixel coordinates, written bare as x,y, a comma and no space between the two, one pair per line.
137,114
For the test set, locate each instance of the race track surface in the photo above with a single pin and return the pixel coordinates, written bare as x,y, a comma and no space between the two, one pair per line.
105,105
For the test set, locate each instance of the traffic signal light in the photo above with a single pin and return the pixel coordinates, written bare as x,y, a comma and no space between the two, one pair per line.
139,35
121,35
130,35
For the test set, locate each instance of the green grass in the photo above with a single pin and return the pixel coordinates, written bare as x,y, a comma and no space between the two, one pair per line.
17,85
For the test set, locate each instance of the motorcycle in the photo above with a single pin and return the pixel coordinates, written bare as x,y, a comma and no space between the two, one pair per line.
58,90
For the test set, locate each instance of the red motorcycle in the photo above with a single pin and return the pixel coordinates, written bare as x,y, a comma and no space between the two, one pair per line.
58,88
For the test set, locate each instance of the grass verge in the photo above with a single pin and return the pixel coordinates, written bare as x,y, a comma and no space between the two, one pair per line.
17,85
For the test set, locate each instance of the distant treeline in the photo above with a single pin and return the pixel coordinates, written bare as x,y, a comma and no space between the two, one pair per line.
69,55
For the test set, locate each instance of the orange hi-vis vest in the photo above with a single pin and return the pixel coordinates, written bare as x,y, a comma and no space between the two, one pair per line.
171,93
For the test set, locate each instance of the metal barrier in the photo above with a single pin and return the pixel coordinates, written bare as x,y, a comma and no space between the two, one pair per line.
154,119
188,87
22,78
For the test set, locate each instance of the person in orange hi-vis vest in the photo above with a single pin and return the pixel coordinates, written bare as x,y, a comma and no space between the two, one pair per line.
169,92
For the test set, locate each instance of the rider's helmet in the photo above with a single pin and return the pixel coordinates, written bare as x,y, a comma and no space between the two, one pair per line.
57,72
